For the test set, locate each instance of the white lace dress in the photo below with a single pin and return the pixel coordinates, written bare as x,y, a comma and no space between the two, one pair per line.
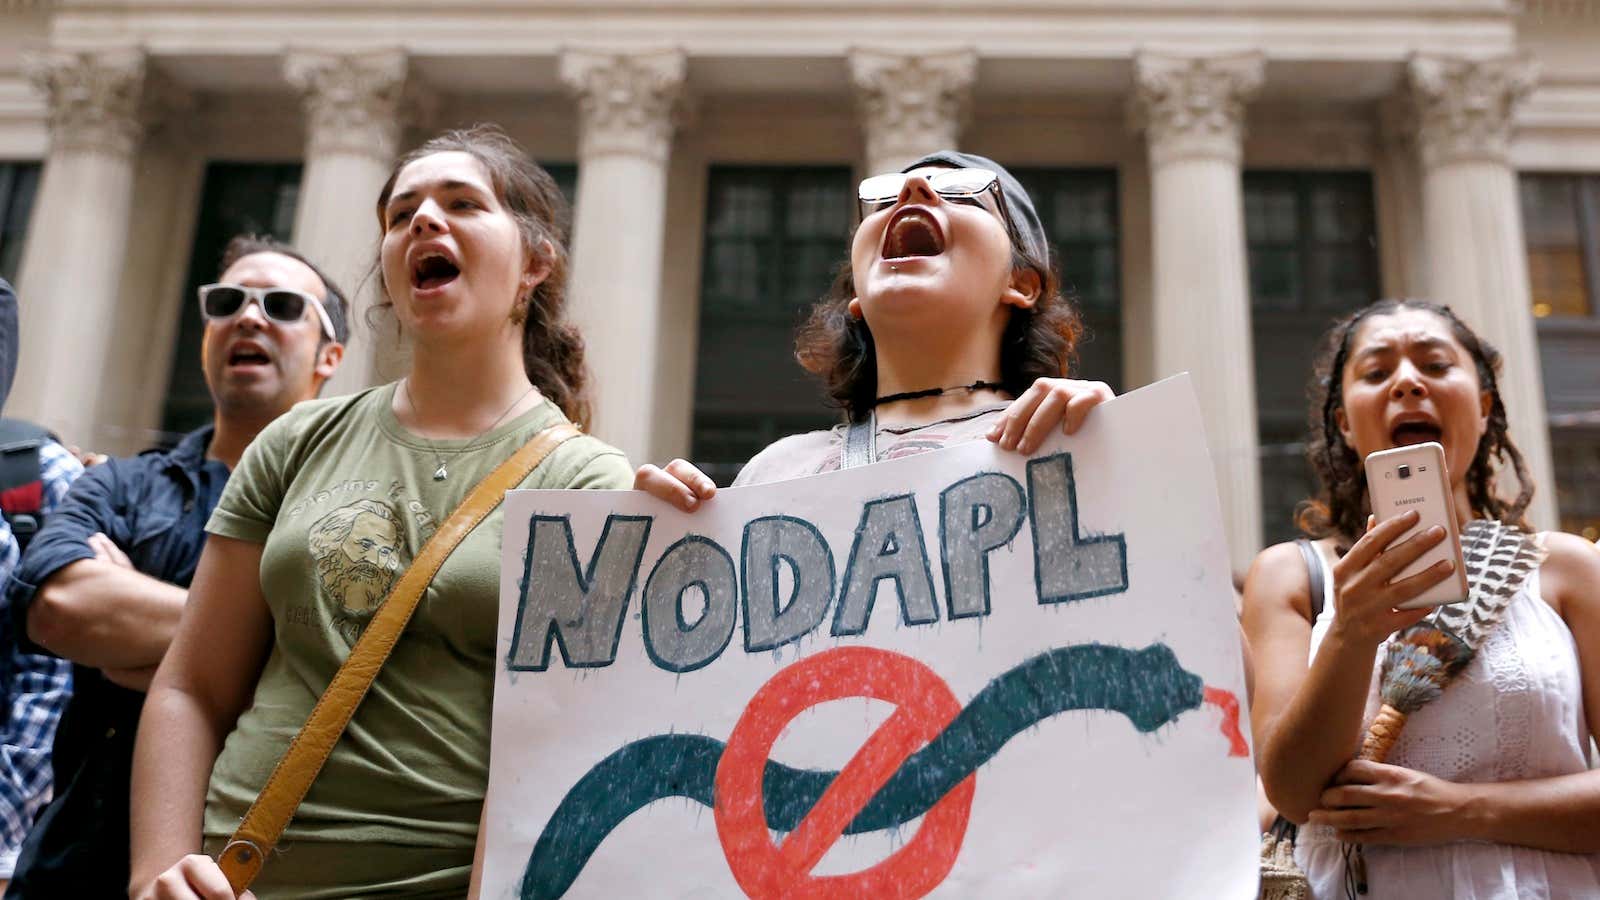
1515,712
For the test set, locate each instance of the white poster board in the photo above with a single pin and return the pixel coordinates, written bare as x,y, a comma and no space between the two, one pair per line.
1026,670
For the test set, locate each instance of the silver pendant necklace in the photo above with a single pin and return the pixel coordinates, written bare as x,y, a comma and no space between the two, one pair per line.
441,473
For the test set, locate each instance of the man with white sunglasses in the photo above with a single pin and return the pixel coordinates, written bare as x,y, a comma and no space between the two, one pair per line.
105,581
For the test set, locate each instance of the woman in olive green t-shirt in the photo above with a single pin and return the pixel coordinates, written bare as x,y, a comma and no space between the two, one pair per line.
325,510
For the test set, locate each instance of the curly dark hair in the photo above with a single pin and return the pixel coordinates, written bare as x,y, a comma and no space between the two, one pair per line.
552,348
1341,507
1040,342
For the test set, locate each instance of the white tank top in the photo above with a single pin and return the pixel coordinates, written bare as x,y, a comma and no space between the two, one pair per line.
1516,712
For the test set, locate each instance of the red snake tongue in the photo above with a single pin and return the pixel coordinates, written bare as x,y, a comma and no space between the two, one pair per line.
1229,704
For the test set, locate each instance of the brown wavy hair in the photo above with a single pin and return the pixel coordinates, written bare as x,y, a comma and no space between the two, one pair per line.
1341,507
552,348
1040,342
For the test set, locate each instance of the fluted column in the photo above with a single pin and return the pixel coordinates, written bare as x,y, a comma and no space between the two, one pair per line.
352,108
628,109
154,300
1192,113
70,280
1477,258
1397,177
911,104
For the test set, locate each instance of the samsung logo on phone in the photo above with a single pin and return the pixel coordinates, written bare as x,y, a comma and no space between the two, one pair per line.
1410,501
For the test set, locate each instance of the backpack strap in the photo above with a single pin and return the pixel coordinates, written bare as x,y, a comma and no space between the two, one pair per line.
1314,568
21,478
1282,830
860,443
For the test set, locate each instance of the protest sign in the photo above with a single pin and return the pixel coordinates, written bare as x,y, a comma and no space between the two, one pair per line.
966,673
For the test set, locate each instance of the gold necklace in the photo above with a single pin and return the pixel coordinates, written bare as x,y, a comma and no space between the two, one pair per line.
441,473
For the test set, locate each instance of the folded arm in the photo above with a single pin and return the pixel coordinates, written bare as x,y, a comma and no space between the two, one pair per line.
1307,720
101,614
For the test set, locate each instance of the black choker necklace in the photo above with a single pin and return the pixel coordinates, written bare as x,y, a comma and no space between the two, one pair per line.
934,392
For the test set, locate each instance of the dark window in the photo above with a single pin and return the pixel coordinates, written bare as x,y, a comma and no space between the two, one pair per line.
1312,243
1560,216
19,181
238,198
1078,209
773,238
1561,219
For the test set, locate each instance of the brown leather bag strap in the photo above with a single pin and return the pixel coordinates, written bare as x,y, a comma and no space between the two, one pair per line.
263,823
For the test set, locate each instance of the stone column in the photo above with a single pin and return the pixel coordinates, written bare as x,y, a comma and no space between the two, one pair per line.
154,298
1397,182
352,105
1477,257
1138,324
70,282
1192,113
911,104
628,109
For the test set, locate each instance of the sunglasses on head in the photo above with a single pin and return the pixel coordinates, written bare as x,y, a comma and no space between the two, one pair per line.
955,185
219,302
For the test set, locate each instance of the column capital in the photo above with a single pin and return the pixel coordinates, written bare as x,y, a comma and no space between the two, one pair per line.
1194,106
911,103
95,99
629,103
1464,108
352,100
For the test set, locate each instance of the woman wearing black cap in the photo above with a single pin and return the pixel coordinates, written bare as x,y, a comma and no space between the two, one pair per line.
946,324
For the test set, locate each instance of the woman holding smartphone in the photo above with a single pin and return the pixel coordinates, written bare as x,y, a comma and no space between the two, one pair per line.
1488,792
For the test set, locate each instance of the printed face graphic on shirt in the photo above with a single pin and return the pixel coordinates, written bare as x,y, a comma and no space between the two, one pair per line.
357,549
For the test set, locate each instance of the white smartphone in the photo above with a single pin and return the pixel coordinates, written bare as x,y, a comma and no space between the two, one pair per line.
1414,477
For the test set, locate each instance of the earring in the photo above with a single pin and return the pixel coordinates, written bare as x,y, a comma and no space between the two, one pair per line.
519,310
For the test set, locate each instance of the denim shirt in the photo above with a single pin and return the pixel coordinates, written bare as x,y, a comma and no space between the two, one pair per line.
154,507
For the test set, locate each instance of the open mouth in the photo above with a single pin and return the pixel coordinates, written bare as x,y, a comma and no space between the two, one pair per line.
912,232
248,356
1415,432
433,270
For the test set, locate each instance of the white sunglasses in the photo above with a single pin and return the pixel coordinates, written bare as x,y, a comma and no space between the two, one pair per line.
220,302
958,185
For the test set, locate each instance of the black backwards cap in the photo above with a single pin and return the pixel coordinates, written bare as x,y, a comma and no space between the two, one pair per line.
1019,206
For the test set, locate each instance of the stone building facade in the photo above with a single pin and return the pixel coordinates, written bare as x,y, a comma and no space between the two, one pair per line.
1221,179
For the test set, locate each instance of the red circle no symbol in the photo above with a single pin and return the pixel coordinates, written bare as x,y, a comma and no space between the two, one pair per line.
925,706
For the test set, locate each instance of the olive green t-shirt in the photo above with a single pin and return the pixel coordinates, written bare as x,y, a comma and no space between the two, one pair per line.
342,497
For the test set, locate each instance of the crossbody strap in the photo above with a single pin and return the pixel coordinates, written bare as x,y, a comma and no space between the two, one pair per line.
263,823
